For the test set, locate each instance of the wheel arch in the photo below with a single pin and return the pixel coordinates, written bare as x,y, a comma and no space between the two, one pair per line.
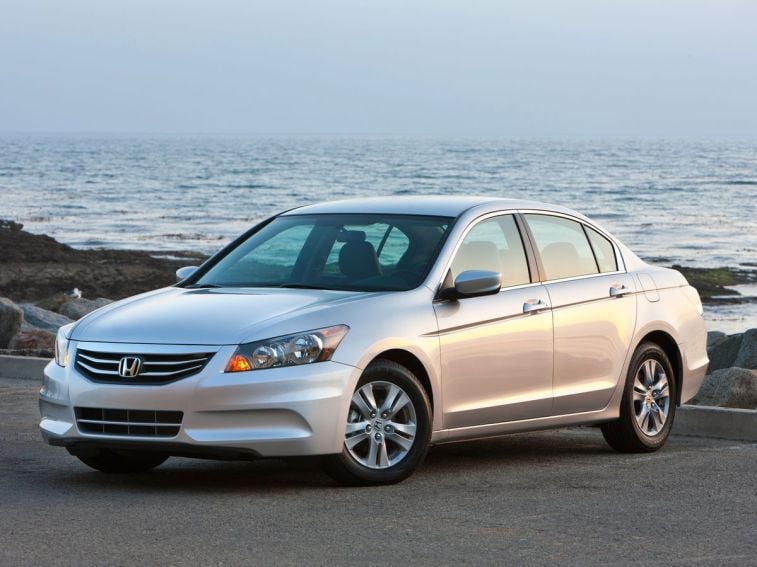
413,364
668,344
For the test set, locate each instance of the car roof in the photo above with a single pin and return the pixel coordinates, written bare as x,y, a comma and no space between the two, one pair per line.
436,205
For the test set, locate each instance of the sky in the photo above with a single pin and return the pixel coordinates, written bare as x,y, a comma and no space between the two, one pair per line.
436,67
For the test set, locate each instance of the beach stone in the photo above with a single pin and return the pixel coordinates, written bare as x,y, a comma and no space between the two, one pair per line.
78,308
714,338
730,388
54,302
10,225
747,355
42,318
723,354
11,317
38,339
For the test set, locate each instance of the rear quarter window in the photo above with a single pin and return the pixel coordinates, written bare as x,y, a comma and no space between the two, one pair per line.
603,251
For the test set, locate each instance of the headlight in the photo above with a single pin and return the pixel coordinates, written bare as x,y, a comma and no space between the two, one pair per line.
61,344
290,350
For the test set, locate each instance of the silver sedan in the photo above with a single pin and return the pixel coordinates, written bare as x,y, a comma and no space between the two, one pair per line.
364,331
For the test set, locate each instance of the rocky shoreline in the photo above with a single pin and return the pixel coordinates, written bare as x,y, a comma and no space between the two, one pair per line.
45,284
35,266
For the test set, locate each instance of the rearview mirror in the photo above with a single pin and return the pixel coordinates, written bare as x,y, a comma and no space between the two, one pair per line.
185,272
474,283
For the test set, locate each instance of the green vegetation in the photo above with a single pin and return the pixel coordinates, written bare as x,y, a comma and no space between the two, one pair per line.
712,282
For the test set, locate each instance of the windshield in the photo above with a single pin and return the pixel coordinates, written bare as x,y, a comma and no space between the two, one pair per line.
356,252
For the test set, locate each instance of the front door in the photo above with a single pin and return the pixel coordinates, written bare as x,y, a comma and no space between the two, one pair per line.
496,350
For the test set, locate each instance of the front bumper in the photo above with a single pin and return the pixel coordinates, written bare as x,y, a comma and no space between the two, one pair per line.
291,411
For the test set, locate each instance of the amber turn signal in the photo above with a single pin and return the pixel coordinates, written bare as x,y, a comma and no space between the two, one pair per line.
238,363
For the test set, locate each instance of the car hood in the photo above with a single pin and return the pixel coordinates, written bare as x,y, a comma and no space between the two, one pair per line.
204,316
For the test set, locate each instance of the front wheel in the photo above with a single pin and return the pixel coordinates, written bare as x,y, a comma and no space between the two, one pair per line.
388,428
648,405
109,461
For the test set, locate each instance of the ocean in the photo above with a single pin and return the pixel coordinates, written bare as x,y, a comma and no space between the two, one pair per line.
685,201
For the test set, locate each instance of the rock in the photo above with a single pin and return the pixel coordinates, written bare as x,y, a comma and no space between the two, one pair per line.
10,225
729,387
723,353
11,317
78,308
747,355
33,340
54,302
714,338
42,318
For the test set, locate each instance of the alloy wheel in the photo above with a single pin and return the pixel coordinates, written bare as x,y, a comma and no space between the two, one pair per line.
651,397
381,425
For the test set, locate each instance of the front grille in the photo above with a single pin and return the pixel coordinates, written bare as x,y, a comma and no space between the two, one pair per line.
141,423
154,368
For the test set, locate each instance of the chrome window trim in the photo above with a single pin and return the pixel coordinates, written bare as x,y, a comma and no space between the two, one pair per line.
484,217
618,256
583,277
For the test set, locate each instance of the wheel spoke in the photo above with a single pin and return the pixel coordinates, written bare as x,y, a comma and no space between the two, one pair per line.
643,417
383,456
659,419
399,403
406,428
367,392
661,389
638,396
403,442
356,439
353,428
649,372
364,401
391,396
372,452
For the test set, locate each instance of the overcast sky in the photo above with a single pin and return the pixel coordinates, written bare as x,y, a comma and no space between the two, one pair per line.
531,67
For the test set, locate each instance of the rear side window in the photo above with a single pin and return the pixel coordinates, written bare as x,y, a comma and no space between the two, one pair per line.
603,251
495,245
564,249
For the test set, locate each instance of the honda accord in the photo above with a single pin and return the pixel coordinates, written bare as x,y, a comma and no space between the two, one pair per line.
364,331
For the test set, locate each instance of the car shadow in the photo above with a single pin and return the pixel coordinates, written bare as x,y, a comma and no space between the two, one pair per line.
517,453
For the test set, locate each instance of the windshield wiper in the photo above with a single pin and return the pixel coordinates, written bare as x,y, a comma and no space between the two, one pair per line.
202,286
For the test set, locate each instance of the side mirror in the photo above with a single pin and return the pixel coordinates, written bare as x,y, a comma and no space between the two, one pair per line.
474,283
185,272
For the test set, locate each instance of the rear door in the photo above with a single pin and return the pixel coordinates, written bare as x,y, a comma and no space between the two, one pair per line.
593,310
496,353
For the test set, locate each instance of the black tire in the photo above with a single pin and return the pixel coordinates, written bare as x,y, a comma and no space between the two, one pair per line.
121,462
345,469
625,434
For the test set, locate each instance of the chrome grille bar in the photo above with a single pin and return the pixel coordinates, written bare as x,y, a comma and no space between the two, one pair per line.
155,368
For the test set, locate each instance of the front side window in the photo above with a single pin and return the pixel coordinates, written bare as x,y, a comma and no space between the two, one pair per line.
356,252
495,245
564,249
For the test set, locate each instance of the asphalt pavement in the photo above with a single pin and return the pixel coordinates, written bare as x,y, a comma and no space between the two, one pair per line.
560,497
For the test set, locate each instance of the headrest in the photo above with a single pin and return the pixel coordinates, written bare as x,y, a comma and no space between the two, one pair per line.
350,236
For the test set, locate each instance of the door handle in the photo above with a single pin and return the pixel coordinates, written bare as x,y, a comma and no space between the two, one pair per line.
619,289
533,305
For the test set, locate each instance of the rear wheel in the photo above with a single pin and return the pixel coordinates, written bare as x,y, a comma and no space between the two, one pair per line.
388,428
111,461
648,405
